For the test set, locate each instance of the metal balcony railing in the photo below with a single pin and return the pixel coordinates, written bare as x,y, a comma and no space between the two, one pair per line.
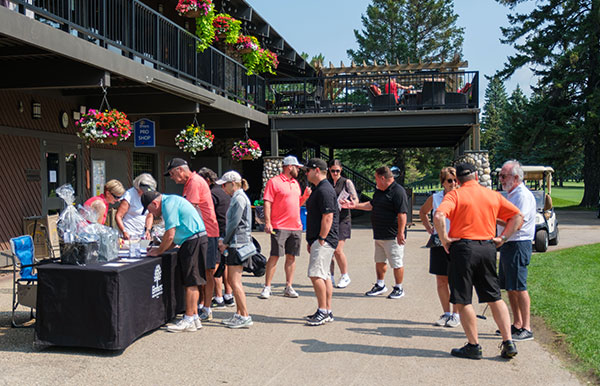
376,92
144,35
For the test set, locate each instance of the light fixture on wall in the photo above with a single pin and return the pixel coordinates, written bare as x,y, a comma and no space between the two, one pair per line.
36,110
20,107
160,8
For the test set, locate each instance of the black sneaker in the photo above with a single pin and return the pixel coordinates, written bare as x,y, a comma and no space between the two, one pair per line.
396,293
229,302
509,349
513,330
376,290
470,351
329,317
523,335
318,319
308,317
216,304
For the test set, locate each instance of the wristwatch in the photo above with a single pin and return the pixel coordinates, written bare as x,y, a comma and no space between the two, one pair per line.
503,238
321,238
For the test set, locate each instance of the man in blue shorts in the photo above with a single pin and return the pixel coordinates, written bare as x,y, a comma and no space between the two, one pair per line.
183,227
515,254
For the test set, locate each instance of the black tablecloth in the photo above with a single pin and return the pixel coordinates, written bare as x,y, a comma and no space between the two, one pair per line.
106,307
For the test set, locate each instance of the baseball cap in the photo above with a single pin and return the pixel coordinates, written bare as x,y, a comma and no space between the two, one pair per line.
290,160
464,169
147,198
315,163
230,176
175,162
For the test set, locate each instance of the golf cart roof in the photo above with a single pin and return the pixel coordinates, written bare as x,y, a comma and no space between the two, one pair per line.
533,172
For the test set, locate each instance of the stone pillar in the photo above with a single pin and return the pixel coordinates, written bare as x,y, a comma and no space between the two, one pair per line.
272,167
481,160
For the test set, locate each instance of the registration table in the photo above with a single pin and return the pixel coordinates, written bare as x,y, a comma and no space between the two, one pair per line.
106,305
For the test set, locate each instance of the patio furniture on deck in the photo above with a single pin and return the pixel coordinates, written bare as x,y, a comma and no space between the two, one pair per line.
434,93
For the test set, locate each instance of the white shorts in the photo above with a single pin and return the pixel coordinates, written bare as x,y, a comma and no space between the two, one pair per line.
390,251
320,260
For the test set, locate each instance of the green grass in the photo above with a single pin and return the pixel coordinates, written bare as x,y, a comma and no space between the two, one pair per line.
568,195
564,287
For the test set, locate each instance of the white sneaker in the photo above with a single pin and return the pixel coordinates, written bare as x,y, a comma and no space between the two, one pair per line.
241,322
184,325
453,321
442,321
198,323
229,321
290,292
344,281
266,293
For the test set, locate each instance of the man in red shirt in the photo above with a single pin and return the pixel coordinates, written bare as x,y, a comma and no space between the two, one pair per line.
283,199
472,211
197,192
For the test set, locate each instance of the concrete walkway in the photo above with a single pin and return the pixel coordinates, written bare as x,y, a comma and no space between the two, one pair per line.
372,341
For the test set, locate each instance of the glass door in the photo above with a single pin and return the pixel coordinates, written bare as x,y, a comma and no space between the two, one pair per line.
62,163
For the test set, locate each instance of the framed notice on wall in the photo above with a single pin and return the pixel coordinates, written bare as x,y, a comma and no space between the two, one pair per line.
98,176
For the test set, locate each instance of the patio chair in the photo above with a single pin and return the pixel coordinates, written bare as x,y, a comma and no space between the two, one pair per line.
25,286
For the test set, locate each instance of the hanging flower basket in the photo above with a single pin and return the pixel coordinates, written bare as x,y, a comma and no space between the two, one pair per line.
227,28
194,138
106,127
247,149
193,8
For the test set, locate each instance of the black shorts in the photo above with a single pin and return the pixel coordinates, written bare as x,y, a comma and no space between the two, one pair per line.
233,258
285,242
473,264
191,259
439,261
213,255
345,229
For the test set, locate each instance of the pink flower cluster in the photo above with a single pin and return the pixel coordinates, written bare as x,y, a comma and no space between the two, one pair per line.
185,6
242,149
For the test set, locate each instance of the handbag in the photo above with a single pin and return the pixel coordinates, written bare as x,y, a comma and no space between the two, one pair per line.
433,242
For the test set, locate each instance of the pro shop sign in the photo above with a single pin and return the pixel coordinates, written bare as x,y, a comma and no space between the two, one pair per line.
144,133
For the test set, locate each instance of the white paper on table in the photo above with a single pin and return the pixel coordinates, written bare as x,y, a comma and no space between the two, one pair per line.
114,264
126,260
344,196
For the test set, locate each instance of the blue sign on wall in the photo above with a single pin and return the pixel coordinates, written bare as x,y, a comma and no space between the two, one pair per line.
144,133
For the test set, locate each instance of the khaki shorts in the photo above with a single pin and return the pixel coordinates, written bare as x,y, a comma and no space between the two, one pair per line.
390,251
320,260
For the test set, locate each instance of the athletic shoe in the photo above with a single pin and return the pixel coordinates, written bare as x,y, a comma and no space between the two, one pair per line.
523,335
184,325
198,323
241,322
376,290
469,351
442,321
204,315
216,304
344,281
396,293
509,349
329,317
307,317
318,319
266,293
230,320
453,321
513,330
289,292
229,302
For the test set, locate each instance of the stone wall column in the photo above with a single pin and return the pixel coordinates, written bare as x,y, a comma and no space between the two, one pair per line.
273,166
481,160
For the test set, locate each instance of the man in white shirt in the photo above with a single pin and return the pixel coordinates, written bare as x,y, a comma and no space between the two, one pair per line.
515,254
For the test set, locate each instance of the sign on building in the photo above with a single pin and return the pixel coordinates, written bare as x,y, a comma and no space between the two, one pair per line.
144,133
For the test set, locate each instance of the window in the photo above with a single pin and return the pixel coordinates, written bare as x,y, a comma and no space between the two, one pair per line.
144,163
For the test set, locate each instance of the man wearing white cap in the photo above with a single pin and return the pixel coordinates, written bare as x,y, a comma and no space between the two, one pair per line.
283,199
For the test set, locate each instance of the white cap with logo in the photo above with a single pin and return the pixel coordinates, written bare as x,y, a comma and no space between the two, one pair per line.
290,160
230,176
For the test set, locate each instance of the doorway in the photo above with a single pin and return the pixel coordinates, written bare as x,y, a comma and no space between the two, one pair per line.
61,163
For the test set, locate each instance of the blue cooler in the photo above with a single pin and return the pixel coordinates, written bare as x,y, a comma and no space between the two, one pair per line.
303,217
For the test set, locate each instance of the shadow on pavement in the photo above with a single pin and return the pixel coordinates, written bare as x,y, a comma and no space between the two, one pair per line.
317,346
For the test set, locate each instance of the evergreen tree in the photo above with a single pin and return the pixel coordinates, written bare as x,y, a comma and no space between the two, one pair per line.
493,119
560,40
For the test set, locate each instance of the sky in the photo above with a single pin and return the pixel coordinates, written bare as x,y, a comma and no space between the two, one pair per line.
326,26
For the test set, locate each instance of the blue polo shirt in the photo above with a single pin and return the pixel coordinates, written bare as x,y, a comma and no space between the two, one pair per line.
178,213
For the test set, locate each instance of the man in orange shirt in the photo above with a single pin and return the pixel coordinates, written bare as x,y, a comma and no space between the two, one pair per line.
197,192
472,211
282,221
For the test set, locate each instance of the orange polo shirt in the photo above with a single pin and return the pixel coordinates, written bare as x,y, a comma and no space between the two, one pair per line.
473,210
284,195
197,191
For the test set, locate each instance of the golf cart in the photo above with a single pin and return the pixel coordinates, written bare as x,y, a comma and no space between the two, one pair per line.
539,180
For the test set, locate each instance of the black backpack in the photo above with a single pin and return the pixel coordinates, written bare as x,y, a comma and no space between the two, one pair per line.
257,264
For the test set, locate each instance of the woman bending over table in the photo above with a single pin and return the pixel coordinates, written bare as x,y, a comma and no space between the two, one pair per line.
113,190
130,220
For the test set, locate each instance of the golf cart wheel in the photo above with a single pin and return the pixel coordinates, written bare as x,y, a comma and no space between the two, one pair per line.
554,241
541,240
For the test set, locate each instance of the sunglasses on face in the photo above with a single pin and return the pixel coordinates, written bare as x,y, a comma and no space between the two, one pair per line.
335,170
504,175
451,180
115,196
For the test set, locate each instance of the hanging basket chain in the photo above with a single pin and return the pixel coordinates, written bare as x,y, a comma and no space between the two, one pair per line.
195,121
104,99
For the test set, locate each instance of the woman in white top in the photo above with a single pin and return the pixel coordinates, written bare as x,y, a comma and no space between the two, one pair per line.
438,258
130,220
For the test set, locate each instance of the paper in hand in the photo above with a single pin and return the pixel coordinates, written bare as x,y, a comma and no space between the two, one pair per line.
344,196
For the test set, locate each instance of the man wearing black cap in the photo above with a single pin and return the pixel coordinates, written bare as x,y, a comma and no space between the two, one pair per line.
183,227
473,211
322,217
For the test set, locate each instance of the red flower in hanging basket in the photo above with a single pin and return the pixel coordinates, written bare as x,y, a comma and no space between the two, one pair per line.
247,149
193,8
106,127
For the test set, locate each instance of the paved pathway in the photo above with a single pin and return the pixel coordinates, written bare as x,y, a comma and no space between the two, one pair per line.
372,341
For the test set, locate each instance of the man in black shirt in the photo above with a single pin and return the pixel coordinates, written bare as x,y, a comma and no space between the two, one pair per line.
388,217
322,217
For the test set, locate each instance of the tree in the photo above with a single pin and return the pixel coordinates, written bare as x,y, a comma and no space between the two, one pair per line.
408,30
560,40
493,118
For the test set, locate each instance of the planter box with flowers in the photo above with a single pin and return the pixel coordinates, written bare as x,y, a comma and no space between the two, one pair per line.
106,127
247,149
194,138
